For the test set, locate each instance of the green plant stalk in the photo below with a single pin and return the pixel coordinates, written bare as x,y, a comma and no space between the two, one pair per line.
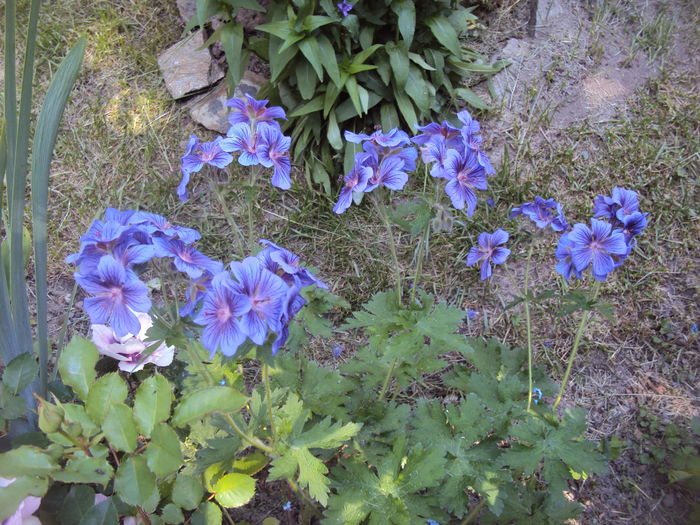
268,397
528,321
419,261
389,374
384,215
574,349
251,201
473,513
248,439
240,239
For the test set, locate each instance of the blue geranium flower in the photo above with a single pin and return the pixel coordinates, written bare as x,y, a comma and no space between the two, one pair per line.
489,251
465,175
597,246
543,212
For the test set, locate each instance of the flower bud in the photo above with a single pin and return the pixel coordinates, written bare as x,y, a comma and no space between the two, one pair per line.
50,417
73,429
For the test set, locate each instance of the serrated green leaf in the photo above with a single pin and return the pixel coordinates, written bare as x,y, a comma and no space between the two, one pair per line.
203,402
119,428
445,34
77,365
152,403
135,484
187,492
108,390
85,469
234,490
163,454
20,372
26,461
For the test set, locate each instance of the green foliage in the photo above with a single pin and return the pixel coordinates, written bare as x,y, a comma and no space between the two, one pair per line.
397,62
293,452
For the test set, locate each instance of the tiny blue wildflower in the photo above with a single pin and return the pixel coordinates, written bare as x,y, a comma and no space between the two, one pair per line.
471,314
547,344
537,392
432,522
222,382
344,7
337,350
287,506
694,328
490,203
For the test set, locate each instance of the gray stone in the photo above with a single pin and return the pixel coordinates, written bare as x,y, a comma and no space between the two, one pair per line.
187,67
211,111
187,9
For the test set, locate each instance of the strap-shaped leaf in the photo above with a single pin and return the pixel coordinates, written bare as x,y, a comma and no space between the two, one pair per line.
445,34
232,37
328,59
311,50
406,12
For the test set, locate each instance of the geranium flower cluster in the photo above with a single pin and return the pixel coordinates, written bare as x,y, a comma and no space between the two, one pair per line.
544,213
606,244
456,156
119,303
254,134
385,160
254,298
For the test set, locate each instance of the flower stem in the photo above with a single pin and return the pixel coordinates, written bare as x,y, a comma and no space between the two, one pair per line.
240,240
390,373
577,341
469,517
529,326
210,379
268,397
251,198
419,261
382,210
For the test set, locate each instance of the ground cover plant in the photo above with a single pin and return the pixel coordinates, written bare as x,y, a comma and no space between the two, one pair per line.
348,65
295,374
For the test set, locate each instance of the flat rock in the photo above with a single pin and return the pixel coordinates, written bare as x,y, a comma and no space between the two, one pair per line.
211,111
187,9
187,67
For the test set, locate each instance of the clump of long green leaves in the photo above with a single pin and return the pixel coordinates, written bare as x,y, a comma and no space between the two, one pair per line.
394,62
17,340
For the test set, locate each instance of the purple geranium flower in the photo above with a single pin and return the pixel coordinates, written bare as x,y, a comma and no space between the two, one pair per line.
117,295
388,173
598,245
158,225
444,133
565,266
355,181
186,258
266,292
196,290
622,202
222,307
273,152
197,155
489,251
282,262
391,139
344,7
291,306
250,111
633,224
543,212
466,175
241,138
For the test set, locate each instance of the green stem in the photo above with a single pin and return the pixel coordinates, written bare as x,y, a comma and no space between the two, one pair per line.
268,397
469,517
240,240
529,327
251,198
419,261
390,373
210,379
577,341
381,209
